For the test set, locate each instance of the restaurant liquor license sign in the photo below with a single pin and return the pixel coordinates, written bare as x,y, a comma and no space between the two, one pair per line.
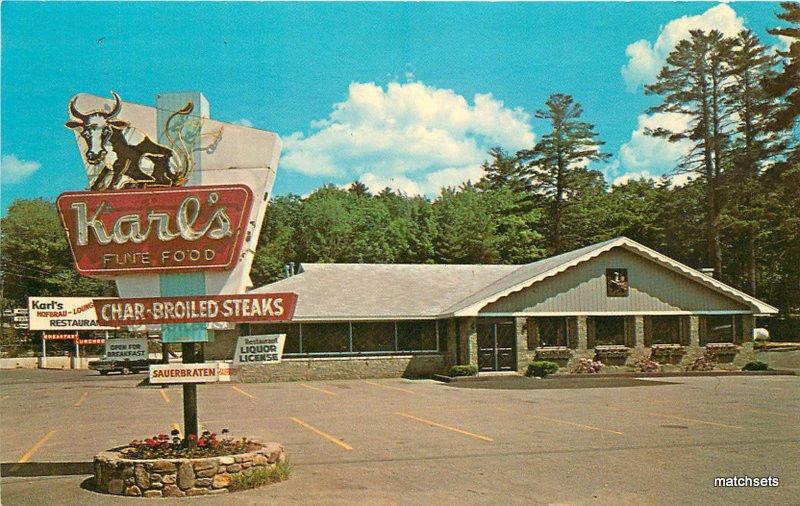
156,230
258,307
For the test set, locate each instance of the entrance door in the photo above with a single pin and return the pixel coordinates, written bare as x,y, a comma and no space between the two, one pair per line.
496,344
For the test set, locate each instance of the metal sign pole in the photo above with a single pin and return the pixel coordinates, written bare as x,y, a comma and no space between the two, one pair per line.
189,394
44,352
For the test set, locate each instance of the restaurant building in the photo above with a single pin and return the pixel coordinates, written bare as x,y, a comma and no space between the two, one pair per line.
616,301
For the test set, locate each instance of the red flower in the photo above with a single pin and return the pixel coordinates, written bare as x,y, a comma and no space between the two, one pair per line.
192,437
201,443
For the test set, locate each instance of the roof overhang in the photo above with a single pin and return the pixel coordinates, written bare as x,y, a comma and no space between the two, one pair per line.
758,307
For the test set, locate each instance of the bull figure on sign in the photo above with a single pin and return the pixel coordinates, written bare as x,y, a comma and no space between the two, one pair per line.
118,150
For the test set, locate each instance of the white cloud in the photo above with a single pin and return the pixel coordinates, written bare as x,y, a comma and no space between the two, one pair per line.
645,59
634,176
15,170
409,135
643,152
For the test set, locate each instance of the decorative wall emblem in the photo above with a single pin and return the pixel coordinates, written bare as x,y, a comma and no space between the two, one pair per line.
124,157
617,282
157,230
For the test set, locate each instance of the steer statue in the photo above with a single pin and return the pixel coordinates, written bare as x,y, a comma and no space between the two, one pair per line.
118,150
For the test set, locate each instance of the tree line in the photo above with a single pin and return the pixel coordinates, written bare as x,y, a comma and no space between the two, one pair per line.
738,214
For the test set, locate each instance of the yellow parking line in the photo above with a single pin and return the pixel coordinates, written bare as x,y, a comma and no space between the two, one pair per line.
80,401
581,425
454,429
242,392
323,434
664,415
4,397
389,386
317,389
27,455
164,395
769,412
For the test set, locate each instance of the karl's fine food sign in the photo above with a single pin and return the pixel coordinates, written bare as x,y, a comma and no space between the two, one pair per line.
261,307
166,230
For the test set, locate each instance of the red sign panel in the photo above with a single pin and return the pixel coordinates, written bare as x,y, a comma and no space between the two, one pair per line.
256,307
156,230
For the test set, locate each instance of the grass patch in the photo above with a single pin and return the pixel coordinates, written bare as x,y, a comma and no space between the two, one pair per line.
260,476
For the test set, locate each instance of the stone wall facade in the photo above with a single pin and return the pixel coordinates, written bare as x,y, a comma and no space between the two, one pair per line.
116,475
332,368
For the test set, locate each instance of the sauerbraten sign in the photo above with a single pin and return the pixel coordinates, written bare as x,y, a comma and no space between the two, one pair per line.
156,230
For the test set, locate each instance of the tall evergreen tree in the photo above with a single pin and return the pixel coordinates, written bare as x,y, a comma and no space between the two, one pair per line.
693,82
786,85
557,163
750,64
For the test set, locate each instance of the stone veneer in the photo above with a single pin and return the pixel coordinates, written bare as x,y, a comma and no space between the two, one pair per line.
331,368
117,475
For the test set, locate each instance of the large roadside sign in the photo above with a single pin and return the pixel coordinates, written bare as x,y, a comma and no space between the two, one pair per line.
156,230
257,307
63,313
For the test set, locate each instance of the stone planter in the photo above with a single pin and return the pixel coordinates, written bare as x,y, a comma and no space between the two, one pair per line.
117,475
722,352
667,353
558,354
612,355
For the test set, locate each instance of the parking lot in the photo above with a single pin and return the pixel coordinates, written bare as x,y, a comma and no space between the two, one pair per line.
419,441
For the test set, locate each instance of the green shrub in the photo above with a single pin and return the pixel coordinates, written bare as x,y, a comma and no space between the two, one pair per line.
541,368
756,366
463,370
259,476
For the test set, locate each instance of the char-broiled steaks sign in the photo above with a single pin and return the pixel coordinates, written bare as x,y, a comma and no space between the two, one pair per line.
260,307
156,230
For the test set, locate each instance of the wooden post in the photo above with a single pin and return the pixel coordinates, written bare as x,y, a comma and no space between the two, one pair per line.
189,394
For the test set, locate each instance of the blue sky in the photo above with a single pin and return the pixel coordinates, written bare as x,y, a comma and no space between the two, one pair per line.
408,95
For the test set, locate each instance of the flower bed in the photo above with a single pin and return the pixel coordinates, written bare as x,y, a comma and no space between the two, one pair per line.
612,355
174,467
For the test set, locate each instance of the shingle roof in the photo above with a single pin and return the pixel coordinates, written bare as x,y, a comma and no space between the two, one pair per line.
396,291
380,291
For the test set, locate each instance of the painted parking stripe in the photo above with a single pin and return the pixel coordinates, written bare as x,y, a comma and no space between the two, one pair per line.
242,392
317,389
27,455
4,397
164,395
323,434
676,417
574,424
769,412
565,422
389,387
447,427
83,398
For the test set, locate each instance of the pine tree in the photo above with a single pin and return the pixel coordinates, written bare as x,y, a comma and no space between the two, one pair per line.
557,164
750,64
692,83
786,85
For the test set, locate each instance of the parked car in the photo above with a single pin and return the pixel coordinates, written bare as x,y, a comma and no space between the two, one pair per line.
126,366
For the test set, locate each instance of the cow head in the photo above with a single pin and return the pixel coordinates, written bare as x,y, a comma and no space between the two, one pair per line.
95,128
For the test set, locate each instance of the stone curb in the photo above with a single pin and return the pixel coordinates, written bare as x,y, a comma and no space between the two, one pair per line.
780,372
